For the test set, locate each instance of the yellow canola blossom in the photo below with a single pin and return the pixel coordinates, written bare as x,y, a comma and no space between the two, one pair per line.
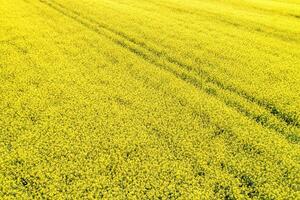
149,99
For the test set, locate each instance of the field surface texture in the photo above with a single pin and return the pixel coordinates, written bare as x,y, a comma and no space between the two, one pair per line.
150,99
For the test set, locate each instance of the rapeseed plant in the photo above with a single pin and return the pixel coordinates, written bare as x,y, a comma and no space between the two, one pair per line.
149,99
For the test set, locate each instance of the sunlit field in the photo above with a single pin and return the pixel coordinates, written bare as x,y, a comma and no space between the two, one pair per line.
150,99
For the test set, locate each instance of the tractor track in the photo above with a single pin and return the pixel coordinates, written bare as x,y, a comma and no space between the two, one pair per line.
183,70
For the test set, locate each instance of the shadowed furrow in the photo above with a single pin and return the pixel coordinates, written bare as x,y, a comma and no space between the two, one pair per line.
150,52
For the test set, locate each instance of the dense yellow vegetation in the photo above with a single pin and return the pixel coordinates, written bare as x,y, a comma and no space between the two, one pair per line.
150,99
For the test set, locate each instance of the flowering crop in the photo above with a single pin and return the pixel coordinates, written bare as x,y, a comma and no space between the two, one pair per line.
150,99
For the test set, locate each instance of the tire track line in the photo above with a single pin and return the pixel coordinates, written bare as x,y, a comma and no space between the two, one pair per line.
196,29
288,118
180,74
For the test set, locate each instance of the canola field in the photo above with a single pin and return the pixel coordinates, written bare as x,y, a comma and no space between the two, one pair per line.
150,99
